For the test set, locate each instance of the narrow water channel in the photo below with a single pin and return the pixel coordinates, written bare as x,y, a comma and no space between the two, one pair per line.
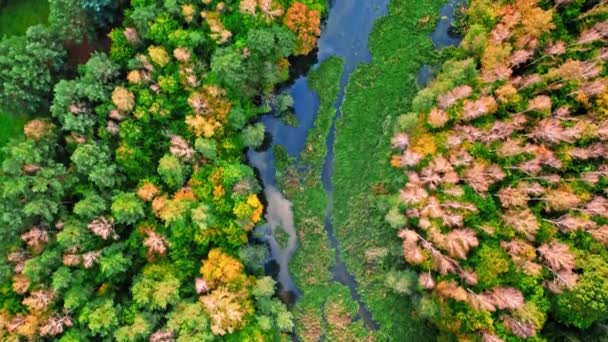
345,34
353,52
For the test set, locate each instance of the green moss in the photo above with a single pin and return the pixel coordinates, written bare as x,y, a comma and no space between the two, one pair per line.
17,15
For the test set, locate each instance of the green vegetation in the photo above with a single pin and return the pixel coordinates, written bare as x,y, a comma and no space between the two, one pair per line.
376,95
125,212
17,15
474,210
503,212
10,127
326,307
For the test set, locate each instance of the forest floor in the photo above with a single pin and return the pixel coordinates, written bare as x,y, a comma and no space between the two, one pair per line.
377,93
17,15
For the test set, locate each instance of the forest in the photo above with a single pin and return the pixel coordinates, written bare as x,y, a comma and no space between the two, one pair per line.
303,170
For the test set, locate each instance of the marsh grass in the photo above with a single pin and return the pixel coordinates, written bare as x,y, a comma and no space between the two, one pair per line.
377,94
325,308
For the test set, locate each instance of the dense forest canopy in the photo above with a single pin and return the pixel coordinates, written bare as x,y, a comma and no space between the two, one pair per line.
128,206
126,212
504,210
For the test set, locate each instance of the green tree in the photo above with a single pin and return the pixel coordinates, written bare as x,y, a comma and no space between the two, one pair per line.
208,147
127,208
94,161
40,268
588,301
75,100
156,288
29,66
103,12
100,316
97,77
171,170
34,184
253,136
68,96
69,20
90,205
258,69
114,261
142,16
140,329
190,323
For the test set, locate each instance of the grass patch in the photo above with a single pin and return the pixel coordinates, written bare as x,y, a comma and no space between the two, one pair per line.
376,95
17,15
10,127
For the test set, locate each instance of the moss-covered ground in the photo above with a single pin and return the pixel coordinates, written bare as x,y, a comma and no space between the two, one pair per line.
17,15
377,93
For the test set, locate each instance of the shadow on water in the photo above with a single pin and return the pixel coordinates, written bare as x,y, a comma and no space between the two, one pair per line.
443,36
345,34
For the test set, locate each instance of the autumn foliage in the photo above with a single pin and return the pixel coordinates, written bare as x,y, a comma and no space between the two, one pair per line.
495,216
305,24
127,212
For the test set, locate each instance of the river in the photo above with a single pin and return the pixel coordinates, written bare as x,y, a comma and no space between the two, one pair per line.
345,34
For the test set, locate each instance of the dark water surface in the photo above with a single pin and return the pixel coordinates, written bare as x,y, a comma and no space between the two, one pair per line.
442,37
345,34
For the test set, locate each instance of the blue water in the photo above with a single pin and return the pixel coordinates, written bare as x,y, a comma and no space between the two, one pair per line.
441,38
345,34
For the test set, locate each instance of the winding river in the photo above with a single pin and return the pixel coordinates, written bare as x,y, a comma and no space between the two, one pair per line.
345,34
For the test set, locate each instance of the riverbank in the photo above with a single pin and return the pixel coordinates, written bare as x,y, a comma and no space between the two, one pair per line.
377,94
